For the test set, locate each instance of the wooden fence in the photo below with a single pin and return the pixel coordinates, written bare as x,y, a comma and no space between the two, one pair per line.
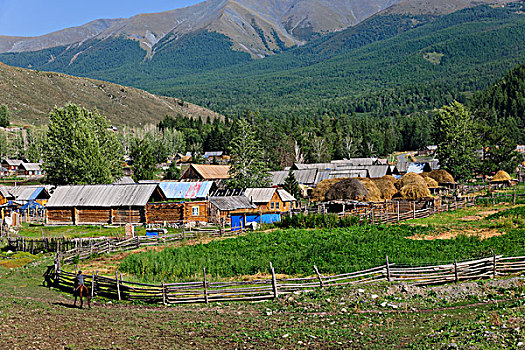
393,214
206,291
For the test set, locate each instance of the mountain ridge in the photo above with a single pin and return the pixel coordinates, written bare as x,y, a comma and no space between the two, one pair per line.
30,96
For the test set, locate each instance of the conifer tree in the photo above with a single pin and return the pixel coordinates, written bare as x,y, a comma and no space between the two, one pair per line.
248,167
291,185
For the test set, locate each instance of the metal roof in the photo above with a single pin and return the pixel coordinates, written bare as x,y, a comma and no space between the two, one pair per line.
348,173
4,191
31,166
186,190
320,166
104,196
305,177
232,203
124,180
29,193
260,195
286,196
357,161
13,162
213,154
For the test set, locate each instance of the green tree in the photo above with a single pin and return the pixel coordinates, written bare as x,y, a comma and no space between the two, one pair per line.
5,117
248,167
173,172
454,134
291,185
80,148
4,145
143,156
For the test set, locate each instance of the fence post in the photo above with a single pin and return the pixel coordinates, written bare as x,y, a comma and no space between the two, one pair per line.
163,292
319,277
514,197
493,265
274,282
118,285
398,211
414,210
205,283
388,277
93,283
456,279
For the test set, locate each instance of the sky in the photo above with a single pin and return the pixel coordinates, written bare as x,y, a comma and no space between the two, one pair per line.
39,17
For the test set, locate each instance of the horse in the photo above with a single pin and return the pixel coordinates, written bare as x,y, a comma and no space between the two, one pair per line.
82,291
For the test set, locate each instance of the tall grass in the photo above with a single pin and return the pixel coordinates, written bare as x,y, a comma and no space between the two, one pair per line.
317,221
294,252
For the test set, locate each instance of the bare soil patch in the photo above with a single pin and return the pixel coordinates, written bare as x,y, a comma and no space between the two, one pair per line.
452,234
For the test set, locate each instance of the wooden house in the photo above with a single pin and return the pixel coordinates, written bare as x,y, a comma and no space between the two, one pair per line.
29,169
11,164
5,195
102,204
179,213
205,172
232,209
25,194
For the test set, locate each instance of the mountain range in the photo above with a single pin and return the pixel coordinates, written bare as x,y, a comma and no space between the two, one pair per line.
294,56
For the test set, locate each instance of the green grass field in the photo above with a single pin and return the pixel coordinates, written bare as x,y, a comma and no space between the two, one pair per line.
294,252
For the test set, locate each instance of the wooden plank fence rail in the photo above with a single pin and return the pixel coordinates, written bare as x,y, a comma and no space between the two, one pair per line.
206,291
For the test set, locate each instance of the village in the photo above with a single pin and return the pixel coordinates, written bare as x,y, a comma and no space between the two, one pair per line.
201,198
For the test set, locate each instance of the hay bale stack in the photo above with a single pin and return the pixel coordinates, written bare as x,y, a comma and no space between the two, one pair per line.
413,186
322,188
442,176
386,186
414,191
431,183
347,189
501,176
374,193
411,179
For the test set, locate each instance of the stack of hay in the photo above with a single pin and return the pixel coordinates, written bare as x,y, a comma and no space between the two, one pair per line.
431,183
413,186
501,176
322,188
441,176
347,189
374,193
386,185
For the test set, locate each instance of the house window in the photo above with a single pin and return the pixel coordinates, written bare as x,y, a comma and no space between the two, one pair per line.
277,205
195,211
273,205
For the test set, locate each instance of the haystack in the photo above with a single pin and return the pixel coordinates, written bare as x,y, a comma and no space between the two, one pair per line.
386,186
442,176
414,191
374,193
347,189
411,179
322,187
431,183
501,176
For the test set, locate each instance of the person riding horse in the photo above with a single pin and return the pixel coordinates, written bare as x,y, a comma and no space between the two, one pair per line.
80,290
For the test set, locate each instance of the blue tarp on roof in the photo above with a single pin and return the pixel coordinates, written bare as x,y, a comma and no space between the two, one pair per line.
36,193
186,190
31,205
417,168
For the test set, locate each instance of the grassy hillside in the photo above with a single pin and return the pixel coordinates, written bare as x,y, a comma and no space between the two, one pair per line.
30,96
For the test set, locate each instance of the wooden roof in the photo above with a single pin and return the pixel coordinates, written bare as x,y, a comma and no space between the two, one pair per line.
211,172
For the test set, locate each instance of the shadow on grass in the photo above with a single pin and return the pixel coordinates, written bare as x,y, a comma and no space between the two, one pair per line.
67,305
